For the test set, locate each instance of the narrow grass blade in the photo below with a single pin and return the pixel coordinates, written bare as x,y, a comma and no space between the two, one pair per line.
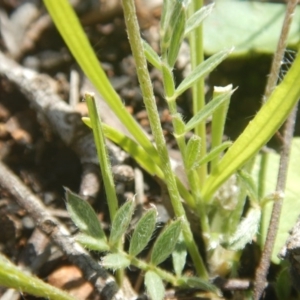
143,232
121,222
115,261
215,152
201,70
207,111
149,163
196,19
84,216
259,131
151,55
146,161
13,277
154,285
166,242
102,155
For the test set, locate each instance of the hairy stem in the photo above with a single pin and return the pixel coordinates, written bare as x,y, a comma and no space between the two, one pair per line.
262,270
149,100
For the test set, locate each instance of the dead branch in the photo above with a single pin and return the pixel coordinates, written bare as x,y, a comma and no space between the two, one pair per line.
92,271
62,118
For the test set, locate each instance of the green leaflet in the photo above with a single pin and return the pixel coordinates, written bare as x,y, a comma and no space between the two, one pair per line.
166,242
143,232
154,285
84,216
121,222
202,70
115,261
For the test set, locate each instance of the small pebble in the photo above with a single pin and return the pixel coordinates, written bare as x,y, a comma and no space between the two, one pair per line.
28,222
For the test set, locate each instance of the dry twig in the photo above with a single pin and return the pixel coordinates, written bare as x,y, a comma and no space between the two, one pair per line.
63,119
92,271
262,270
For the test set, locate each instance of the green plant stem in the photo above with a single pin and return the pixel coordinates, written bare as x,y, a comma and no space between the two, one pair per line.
197,57
169,277
193,177
102,155
13,277
262,176
164,275
105,166
149,100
